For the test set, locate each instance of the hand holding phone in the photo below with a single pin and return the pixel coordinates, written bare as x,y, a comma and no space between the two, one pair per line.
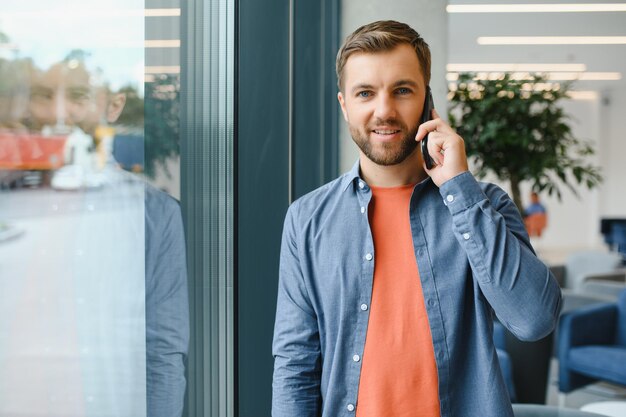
442,167
426,116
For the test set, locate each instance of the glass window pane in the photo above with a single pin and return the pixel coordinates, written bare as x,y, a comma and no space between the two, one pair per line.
93,296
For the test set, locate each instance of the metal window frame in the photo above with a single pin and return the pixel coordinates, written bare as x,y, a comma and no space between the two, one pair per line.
208,199
228,188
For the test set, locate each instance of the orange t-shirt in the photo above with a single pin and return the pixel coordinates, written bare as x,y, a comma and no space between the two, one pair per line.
399,372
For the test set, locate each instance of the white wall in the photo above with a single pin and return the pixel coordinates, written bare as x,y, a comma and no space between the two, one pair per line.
574,222
428,18
612,132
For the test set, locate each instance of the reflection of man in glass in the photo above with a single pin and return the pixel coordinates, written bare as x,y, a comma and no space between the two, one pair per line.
68,100
67,95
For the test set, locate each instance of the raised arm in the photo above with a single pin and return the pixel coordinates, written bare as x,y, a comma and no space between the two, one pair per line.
519,287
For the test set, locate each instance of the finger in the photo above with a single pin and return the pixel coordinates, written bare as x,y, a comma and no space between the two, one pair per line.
442,126
435,147
425,128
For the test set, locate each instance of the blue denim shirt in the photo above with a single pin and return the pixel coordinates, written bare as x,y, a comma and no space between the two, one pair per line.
474,258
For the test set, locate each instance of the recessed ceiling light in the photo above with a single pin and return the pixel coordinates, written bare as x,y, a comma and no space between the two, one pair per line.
61,14
572,94
586,76
162,12
532,67
536,8
162,70
583,95
551,40
554,76
165,43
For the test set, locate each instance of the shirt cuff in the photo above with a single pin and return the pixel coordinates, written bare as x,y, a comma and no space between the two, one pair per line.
461,192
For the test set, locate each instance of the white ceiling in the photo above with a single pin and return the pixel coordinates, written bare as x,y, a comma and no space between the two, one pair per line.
465,28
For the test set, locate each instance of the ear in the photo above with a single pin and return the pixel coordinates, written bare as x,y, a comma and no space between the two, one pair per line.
115,107
342,103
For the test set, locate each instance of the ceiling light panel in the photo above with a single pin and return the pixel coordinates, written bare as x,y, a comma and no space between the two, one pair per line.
527,67
537,8
551,40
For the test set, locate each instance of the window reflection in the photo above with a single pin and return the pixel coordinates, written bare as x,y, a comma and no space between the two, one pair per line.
93,295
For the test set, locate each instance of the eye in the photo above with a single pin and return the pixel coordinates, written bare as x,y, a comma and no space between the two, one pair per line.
41,94
364,94
403,91
78,95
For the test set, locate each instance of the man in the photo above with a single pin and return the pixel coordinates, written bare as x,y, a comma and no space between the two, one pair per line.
535,216
390,275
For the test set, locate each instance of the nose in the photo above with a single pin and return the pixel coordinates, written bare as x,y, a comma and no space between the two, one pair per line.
60,108
385,107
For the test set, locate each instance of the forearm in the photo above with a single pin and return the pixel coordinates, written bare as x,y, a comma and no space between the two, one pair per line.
297,363
296,344
295,390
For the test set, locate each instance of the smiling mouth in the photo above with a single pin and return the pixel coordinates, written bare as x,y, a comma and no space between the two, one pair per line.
386,132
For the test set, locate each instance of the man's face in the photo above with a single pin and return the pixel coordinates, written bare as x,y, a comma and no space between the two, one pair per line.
382,101
65,95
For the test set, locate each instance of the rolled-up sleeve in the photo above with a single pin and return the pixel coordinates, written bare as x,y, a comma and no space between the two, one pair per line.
519,287
296,345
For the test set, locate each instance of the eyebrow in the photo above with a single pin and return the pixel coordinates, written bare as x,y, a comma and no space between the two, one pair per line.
78,89
398,83
405,82
361,87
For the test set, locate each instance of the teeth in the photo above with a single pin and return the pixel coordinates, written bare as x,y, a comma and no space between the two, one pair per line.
385,132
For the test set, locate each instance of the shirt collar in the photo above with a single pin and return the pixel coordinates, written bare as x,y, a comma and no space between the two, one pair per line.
351,175
355,173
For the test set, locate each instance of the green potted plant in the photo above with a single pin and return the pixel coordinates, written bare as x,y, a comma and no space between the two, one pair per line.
516,130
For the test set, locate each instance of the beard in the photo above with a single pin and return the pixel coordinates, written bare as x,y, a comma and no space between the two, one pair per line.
386,153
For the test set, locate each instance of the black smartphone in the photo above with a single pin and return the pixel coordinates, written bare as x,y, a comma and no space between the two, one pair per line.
426,116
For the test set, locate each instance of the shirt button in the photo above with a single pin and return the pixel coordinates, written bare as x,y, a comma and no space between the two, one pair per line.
450,198
350,407
364,307
466,236
356,358
362,209
369,257
361,184
431,302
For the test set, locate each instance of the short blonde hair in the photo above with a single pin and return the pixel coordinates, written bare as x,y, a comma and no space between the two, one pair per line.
383,35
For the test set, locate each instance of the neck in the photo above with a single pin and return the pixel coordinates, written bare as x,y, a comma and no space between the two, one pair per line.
409,171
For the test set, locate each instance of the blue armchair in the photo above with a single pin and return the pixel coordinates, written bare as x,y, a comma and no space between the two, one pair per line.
592,345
